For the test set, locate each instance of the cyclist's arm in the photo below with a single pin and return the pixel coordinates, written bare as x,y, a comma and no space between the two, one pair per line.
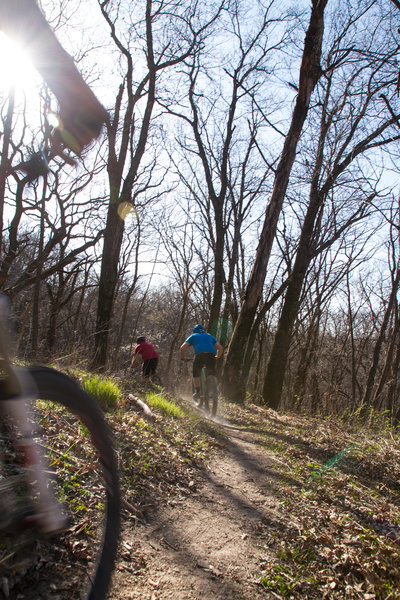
219,349
183,349
81,113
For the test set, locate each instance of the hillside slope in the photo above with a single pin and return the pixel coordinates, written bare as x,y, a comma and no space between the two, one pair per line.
258,505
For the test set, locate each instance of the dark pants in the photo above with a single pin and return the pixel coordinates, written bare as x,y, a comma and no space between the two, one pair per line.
205,359
149,367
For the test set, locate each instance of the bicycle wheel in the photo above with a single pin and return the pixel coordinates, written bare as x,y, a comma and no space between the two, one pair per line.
78,447
204,388
213,393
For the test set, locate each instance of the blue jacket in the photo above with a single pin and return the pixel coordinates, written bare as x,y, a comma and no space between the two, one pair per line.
202,342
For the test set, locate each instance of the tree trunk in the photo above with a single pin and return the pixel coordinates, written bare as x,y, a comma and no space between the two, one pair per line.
306,355
219,273
310,71
121,185
5,161
176,337
122,322
273,382
108,281
248,355
37,284
392,400
78,311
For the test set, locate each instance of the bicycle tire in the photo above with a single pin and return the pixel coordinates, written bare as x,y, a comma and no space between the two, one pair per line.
204,388
92,535
213,393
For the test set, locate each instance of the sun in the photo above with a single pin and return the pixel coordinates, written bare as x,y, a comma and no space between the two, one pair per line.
16,69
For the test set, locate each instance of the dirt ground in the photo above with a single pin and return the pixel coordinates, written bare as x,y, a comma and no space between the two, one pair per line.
205,542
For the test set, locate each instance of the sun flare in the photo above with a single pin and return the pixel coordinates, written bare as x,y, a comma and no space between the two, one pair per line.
16,69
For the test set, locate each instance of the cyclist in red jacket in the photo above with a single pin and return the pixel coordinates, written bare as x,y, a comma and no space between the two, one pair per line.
149,355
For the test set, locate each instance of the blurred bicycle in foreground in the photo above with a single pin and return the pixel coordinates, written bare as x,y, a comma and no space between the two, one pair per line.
59,489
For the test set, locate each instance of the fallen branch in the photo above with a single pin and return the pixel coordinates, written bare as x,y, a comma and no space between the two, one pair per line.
143,406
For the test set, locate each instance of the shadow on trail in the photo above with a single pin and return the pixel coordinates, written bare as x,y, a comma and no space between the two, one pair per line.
346,460
239,492
268,471
248,463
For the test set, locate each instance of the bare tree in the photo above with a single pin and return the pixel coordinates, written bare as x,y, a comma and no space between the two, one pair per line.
310,72
365,81
185,269
221,155
371,395
169,35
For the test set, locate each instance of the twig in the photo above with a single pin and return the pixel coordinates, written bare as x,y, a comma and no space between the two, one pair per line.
129,507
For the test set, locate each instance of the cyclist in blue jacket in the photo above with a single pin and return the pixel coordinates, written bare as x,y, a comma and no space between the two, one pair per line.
206,350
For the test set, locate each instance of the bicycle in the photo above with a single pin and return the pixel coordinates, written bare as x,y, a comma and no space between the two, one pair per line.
56,452
208,389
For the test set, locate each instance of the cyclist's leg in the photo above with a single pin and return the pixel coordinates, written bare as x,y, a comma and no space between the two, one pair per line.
152,370
204,388
146,369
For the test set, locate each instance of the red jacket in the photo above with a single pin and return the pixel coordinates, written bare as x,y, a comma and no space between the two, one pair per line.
146,350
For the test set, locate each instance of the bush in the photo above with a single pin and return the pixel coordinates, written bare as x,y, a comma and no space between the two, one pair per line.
105,391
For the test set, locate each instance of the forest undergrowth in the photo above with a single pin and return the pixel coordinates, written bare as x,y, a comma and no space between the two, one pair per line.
340,496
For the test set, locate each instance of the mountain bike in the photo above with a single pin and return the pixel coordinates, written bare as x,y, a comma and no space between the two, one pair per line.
208,391
59,488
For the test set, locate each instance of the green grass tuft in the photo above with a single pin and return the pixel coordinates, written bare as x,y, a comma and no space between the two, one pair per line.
105,391
161,403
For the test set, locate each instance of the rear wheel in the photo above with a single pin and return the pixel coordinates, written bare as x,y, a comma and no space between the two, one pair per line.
78,447
213,391
204,388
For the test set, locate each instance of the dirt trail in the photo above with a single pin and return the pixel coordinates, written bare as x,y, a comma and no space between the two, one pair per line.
206,543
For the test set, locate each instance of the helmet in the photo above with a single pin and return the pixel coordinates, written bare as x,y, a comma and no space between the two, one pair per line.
140,339
198,329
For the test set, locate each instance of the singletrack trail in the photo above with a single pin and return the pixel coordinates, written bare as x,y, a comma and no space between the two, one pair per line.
206,543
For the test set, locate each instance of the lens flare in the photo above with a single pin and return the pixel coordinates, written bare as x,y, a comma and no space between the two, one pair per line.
54,120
